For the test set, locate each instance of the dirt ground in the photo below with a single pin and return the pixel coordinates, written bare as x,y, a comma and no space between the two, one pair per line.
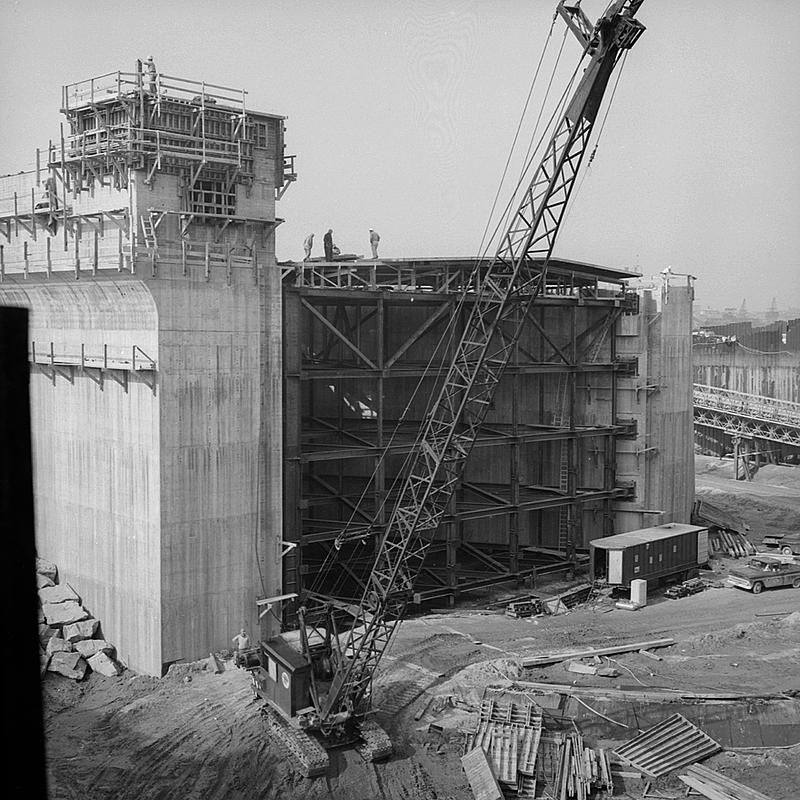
196,734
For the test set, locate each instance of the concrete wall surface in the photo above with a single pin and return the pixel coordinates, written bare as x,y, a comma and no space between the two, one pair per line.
96,457
659,397
729,365
216,555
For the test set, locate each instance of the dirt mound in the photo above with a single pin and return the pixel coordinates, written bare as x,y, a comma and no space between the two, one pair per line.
786,628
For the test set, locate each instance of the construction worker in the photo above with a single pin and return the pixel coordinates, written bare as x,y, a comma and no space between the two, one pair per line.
308,243
327,243
241,642
374,239
151,74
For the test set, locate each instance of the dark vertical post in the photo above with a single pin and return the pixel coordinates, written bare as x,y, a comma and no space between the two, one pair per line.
22,702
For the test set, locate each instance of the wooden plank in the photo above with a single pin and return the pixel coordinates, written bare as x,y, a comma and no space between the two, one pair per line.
707,791
729,784
653,695
479,773
553,658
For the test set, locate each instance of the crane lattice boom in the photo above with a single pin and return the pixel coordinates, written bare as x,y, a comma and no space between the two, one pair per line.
508,288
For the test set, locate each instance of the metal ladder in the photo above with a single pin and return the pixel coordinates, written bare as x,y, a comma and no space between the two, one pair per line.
560,417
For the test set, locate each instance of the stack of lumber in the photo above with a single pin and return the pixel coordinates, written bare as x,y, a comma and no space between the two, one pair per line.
716,786
525,760
730,542
524,608
542,659
584,771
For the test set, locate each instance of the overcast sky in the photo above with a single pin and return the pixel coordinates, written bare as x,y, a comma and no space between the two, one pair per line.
401,115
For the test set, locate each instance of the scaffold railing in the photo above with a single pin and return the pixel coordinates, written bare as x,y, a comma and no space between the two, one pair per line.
119,85
747,405
445,278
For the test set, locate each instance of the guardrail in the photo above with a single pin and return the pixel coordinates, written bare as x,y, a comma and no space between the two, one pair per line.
747,405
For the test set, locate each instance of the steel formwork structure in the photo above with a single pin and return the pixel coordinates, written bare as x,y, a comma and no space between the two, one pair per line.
363,350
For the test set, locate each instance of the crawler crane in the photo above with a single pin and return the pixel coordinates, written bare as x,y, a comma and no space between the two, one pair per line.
317,679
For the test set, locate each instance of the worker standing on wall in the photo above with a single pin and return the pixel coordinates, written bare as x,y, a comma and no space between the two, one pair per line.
374,239
308,243
327,243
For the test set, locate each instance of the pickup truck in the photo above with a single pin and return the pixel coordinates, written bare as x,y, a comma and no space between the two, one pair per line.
764,573
787,545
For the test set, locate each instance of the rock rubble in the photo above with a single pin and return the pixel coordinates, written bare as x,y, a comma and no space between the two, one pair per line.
67,631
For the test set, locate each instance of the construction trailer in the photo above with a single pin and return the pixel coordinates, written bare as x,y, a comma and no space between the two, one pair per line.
665,552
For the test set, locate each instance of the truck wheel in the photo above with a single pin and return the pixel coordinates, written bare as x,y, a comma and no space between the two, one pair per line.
796,583
786,550
757,587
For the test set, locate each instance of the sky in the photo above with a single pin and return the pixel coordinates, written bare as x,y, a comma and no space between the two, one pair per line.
401,116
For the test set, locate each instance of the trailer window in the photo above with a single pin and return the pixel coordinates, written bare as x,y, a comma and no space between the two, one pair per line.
272,668
660,557
651,559
674,548
635,558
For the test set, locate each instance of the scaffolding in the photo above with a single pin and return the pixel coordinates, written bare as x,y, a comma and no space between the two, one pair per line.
358,337
201,131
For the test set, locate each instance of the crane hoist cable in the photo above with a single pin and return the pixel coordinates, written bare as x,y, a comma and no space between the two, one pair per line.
531,153
519,125
332,557
588,170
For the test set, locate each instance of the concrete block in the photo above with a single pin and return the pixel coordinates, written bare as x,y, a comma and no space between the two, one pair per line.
70,665
47,568
639,592
608,672
101,663
58,614
43,581
90,647
58,594
58,645
45,633
581,669
85,629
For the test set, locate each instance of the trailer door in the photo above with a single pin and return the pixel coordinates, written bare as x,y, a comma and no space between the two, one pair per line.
615,566
702,547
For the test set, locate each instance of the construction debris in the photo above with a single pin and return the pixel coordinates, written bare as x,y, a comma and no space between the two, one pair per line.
553,658
481,779
70,665
531,762
731,543
67,631
715,786
524,608
558,604
581,669
669,745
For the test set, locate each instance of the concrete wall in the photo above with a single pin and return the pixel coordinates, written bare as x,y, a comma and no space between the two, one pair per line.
96,456
216,556
730,366
660,461
160,503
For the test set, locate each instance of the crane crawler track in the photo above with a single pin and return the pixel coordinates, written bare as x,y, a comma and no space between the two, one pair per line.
311,755
377,744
